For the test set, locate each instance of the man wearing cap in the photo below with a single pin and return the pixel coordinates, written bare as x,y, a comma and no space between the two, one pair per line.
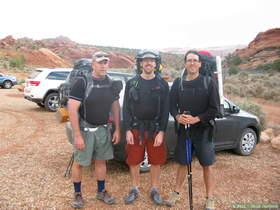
89,117
145,117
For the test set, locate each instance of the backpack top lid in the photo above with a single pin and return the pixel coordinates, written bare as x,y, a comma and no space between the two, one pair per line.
208,63
203,52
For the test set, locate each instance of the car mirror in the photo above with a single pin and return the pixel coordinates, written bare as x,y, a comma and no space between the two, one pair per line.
235,109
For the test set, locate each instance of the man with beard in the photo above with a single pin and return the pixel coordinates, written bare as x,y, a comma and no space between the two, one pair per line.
145,116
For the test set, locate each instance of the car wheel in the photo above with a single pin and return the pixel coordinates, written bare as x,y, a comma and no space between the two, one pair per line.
247,142
51,102
40,104
7,84
145,165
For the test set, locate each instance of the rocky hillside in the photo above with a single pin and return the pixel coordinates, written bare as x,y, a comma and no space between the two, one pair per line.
57,52
264,49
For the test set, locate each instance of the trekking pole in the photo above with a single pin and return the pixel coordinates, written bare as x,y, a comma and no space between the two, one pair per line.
189,162
69,166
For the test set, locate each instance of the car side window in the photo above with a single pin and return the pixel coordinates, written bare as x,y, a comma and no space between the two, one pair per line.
58,75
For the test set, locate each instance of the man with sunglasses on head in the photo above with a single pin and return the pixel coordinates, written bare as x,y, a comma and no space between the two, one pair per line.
194,101
89,113
146,114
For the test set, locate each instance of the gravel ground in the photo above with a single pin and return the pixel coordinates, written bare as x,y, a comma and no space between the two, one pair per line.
34,152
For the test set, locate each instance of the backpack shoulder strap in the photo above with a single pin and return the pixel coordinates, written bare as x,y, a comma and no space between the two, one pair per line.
206,82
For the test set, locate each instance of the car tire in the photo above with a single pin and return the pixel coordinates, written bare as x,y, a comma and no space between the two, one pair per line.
40,104
247,142
145,165
7,84
51,102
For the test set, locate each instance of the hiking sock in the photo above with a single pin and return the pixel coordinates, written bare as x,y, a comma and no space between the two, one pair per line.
153,190
101,185
77,186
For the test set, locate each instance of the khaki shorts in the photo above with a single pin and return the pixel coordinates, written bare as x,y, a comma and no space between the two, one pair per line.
98,146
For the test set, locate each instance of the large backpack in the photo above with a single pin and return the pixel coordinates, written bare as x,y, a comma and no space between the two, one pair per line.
82,69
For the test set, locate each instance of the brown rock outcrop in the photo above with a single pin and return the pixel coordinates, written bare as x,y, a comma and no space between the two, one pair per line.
264,49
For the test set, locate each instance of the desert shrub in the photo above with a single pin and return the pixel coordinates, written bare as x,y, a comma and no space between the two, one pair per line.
276,64
266,66
243,76
232,70
17,61
254,109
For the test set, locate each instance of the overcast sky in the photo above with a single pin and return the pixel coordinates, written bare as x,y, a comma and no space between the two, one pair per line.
141,23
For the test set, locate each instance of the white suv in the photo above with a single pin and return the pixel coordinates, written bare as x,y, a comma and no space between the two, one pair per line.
42,86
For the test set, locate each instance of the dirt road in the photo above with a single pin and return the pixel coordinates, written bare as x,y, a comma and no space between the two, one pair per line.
34,153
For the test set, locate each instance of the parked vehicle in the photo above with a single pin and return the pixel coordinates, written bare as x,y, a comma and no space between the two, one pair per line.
42,86
7,81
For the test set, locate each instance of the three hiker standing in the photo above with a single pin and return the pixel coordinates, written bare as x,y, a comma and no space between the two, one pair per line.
198,95
89,116
146,112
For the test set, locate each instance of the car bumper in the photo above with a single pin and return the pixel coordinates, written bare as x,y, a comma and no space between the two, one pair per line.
35,100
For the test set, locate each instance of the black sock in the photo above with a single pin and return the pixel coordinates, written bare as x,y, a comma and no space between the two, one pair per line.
101,185
77,186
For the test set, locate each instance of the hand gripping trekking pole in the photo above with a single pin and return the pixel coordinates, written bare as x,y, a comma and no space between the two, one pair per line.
189,161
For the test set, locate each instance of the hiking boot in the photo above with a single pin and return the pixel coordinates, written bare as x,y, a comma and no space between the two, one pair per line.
132,195
209,205
78,202
106,197
156,197
172,199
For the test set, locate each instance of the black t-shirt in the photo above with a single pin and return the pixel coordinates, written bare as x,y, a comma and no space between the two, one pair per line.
97,106
195,98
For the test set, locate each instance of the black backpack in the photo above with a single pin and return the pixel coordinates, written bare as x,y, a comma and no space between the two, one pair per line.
82,69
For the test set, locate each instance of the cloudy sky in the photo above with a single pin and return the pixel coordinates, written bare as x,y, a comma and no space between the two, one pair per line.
141,24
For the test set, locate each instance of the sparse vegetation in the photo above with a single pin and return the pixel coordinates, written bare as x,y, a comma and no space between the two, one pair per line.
257,85
231,59
232,69
254,109
266,66
17,61
276,65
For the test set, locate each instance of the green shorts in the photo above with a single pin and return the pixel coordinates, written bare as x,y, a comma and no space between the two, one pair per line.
98,146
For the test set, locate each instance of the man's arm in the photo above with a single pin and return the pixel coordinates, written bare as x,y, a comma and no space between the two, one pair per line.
127,118
116,117
73,107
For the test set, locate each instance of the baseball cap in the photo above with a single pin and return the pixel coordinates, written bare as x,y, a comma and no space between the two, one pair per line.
100,56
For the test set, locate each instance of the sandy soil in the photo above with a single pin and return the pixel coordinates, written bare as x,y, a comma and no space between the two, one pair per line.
34,152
